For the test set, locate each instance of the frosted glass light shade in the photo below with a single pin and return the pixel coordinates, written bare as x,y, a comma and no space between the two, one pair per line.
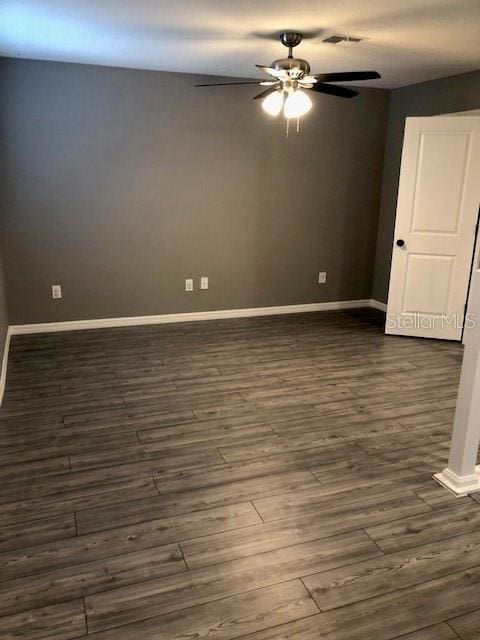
297,104
273,103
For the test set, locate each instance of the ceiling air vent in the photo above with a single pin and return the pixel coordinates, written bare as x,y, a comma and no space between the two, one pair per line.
343,39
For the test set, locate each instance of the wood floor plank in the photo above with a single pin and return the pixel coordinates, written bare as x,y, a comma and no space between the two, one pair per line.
226,473
437,632
224,619
335,495
123,540
128,417
137,474
414,531
475,497
160,458
22,409
37,532
50,587
75,500
284,443
437,497
355,426
34,468
405,611
171,401
145,375
467,627
386,411
428,457
336,588
59,444
57,622
404,440
192,432
253,411
364,472
436,416
176,592
371,439
311,526
168,504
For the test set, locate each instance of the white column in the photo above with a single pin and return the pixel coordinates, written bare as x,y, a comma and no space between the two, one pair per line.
462,476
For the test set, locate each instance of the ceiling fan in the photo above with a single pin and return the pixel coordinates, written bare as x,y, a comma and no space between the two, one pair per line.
291,77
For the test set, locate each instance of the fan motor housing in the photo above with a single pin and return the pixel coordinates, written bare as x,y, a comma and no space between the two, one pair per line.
296,67
291,38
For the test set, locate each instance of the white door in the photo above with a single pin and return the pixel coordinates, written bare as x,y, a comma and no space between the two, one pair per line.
437,211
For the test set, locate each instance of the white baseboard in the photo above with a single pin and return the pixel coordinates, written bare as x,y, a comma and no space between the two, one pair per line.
3,373
376,304
99,323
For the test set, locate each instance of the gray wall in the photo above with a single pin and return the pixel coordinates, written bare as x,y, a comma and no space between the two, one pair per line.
119,184
457,93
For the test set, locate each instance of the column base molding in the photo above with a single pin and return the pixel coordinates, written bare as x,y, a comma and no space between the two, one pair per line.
459,485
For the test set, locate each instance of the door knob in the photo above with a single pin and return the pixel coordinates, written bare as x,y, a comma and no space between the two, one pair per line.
400,243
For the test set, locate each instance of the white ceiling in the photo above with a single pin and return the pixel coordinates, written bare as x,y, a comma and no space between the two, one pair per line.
407,41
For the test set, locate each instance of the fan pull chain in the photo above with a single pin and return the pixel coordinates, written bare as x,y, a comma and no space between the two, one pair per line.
288,126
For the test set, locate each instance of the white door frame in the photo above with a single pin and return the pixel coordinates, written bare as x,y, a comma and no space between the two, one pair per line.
462,474
476,249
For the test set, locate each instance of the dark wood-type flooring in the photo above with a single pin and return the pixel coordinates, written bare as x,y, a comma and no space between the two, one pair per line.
264,479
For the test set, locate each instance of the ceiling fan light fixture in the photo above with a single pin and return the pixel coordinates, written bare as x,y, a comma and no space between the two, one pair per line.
290,78
297,104
273,103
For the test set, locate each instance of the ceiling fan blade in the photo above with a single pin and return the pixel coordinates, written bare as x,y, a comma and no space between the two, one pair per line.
265,93
223,84
333,90
269,70
346,76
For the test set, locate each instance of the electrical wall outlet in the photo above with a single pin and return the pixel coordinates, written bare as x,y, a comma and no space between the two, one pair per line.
56,291
204,282
189,284
322,277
